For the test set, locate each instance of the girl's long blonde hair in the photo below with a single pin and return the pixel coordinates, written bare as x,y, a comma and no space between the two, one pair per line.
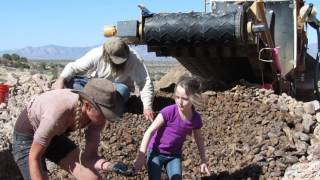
192,86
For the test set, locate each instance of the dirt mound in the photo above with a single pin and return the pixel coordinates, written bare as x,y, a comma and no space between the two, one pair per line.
249,133
167,81
246,136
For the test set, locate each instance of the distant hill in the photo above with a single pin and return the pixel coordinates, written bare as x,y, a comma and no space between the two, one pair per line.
50,52
54,52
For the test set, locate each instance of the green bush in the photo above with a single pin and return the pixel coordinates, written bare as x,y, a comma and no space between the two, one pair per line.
6,56
23,59
15,57
14,60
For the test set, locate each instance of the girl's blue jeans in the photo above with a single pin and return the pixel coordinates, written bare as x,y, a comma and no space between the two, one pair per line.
172,164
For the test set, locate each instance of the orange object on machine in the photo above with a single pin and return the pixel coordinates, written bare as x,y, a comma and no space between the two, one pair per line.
4,92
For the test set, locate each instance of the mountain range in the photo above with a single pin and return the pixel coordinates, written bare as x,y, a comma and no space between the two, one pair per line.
54,52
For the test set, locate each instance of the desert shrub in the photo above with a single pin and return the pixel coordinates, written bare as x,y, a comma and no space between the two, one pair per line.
20,64
23,59
15,57
42,66
33,71
6,56
14,60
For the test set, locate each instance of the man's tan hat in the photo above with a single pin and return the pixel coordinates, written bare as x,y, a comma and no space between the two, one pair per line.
102,94
117,50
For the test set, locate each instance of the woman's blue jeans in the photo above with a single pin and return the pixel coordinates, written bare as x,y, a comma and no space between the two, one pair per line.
78,83
172,164
58,148
21,144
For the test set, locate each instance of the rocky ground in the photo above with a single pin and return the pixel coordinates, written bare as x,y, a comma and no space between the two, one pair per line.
249,133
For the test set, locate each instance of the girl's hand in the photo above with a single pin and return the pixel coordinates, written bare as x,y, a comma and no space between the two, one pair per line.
139,162
204,169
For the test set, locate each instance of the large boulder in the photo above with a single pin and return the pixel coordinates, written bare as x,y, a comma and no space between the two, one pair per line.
168,81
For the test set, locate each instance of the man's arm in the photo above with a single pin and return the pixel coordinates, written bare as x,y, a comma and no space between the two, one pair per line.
147,95
81,65
140,75
145,85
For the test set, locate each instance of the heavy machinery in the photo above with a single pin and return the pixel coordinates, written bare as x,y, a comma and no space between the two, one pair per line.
263,42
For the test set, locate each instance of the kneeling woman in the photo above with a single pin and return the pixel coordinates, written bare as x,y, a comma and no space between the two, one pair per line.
39,132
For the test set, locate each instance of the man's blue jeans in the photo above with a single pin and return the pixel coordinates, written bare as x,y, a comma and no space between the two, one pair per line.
78,83
172,164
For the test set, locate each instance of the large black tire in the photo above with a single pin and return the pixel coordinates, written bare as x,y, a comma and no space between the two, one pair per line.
193,28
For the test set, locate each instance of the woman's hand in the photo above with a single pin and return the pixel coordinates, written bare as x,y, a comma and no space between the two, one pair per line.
139,162
204,168
104,165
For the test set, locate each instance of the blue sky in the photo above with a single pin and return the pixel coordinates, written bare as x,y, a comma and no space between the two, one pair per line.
77,23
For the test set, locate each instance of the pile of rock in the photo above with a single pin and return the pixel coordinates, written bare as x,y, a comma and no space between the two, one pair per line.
23,89
24,86
248,132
